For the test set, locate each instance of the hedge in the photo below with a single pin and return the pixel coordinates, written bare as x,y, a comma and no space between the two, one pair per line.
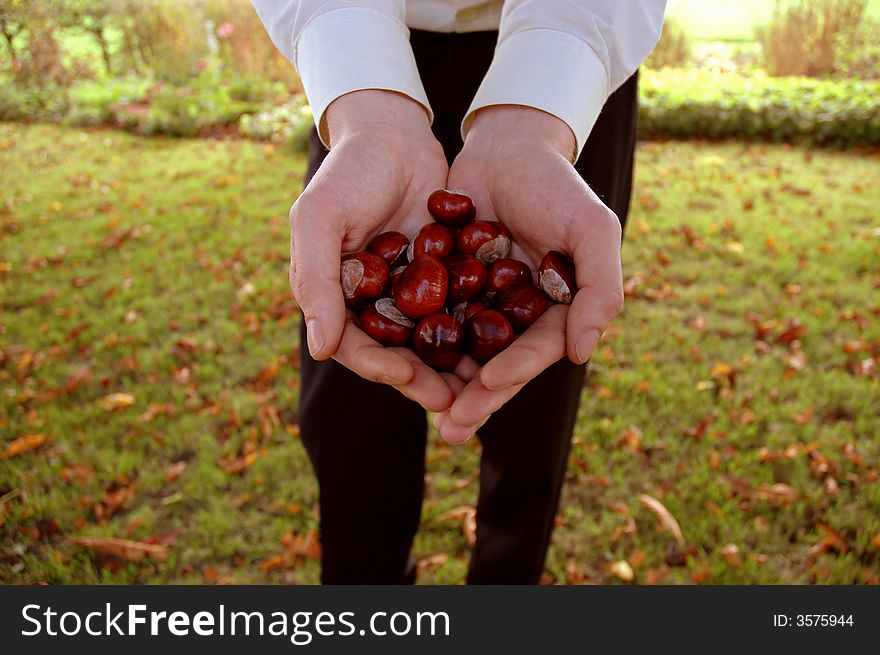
679,103
674,103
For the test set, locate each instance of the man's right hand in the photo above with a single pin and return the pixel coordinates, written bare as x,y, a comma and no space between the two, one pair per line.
383,163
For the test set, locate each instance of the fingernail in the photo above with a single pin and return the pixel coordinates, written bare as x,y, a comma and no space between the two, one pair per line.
586,345
393,381
315,335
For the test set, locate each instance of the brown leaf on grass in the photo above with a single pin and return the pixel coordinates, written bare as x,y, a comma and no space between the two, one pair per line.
78,378
666,519
175,470
722,371
622,569
124,549
432,562
241,463
24,363
631,438
156,409
117,497
778,492
294,549
116,401
730,552
876,541
23,445
832,540
468,517
792,330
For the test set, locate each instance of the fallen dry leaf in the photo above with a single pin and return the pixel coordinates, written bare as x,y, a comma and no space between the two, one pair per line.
666,518
130,551
432,562
23,444
468,517
622,570
116,401
730,552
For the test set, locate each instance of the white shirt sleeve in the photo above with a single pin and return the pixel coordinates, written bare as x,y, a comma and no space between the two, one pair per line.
567,57
338,47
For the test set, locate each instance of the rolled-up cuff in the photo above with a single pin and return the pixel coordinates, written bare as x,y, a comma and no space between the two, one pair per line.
352,49
549,70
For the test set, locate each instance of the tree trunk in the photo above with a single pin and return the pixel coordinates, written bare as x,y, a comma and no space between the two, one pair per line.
105,50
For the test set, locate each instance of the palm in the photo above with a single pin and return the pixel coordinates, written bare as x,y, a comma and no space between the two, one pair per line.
364,187
539,196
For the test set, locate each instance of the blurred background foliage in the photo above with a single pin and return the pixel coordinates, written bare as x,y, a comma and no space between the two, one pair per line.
207,67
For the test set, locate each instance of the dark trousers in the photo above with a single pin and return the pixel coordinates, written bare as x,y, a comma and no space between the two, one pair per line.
369,454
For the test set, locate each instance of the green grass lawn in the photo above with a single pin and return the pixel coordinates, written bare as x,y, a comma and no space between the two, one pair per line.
739,388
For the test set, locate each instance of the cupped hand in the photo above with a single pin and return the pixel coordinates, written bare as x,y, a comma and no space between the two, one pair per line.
382,165
516,164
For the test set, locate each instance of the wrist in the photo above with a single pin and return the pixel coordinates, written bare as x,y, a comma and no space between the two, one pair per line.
373,111
522,125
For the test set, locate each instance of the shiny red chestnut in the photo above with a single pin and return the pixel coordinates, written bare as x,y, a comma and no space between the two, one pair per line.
382,321
488,241
487,333
467,275
451,207
421,288
463,311
391,247
364,277
432,239
505,273
556,277
521,304
439,341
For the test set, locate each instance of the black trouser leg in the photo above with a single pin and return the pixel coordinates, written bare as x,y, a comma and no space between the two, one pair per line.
526,443
366,442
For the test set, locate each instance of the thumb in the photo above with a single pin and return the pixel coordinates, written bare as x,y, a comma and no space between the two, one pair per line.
315,246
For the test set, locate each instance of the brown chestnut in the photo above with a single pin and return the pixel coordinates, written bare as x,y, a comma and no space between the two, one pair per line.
451,207
488,241
421,287
521,304
438,340
432,239
505,273
390,246
382,321
487,333
467,275
556,277
364,277
464,310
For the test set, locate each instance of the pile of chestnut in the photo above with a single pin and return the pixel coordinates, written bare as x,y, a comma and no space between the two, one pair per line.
452,289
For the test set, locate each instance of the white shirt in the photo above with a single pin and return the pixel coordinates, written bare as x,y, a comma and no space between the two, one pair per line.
564,57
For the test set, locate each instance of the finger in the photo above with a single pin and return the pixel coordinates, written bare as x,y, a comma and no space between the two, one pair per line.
455,434
466,369
359,353
315,246
600,294
538,347
456,384
430,389
475,404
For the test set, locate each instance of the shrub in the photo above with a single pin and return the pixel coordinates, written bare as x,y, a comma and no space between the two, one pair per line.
811,37
672,50
28,102
693,103
288,124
